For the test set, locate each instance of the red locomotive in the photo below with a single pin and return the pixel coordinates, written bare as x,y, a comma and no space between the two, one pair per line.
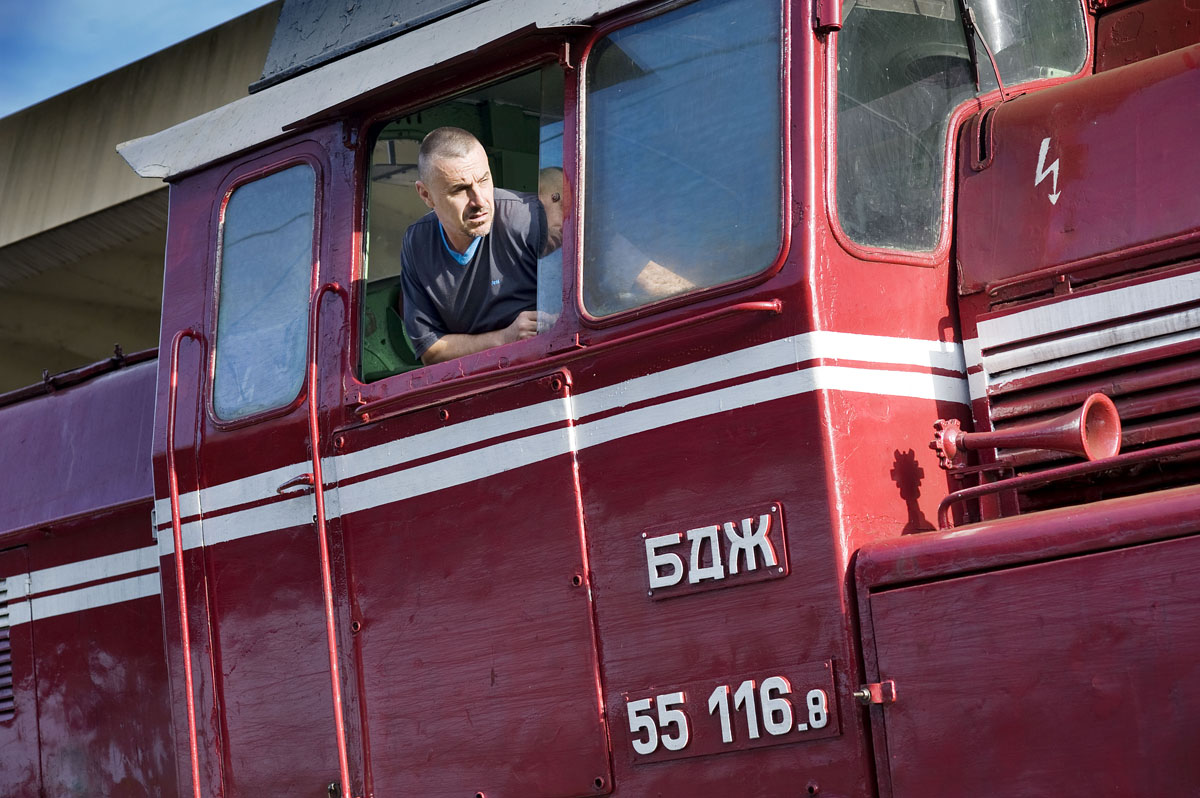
691,538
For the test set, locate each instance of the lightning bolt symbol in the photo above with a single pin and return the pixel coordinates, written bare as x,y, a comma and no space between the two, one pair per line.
1044,171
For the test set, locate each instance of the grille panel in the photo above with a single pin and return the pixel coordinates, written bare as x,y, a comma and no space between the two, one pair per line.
7,699
1137,342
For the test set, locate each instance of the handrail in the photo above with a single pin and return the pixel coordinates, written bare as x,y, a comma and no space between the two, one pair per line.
177,531
462,386
1063,472
322,534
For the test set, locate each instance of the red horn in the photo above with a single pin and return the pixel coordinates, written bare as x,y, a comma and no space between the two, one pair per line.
1093,432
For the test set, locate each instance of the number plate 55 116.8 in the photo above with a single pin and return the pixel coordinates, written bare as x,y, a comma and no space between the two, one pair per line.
769,707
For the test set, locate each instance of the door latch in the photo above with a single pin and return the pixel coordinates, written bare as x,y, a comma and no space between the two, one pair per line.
876,693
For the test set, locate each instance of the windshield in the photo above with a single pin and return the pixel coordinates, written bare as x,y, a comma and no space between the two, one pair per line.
903,67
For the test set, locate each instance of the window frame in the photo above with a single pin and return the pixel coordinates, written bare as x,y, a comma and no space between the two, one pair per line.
543,49
958,116
308,153
501,60
785,175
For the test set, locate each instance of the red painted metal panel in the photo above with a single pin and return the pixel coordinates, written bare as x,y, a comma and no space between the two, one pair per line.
992,588
691,474
1121,134
1008,542
77,449
260,650
1144,30
476,646
272,671
1071,677
103,710
104,714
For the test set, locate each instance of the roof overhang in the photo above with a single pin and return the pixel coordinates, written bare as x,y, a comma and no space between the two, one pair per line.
264,116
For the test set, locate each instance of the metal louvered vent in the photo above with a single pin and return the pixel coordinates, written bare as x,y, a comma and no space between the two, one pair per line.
7,700
1137,341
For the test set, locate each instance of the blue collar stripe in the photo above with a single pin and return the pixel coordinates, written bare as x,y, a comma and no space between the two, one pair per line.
463,258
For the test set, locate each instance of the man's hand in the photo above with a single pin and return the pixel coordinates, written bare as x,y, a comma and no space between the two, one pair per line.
455,345
522,327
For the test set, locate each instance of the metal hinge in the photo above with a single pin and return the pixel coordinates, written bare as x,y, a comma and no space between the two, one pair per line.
827,16
876,693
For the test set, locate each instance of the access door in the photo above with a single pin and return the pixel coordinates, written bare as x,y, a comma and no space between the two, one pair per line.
472,617
1070,677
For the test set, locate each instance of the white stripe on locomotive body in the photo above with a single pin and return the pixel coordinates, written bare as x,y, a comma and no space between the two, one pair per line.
436,441
977,382
93,570
772,355
36,607
498,458
101,595
1097,343
490,460
1068,333
742,363
293,511
1087,309
572,432
999,381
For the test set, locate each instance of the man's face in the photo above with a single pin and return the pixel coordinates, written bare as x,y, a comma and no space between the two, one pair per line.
460,192
554,201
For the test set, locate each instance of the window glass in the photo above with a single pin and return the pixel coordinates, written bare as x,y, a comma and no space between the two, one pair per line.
265,280
903,67
683,150
519,122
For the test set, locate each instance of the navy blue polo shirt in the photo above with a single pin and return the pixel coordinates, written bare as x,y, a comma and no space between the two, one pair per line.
497,282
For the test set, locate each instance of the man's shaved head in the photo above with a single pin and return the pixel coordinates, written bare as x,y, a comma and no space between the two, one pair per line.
456,182
550,183
443,142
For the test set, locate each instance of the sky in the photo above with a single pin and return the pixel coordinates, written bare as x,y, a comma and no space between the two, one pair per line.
49,46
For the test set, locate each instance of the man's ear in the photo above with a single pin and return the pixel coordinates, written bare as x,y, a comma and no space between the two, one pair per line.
424,193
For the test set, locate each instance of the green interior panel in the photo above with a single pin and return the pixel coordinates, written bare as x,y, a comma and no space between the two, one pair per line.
386,347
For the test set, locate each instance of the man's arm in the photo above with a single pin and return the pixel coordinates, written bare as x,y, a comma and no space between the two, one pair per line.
454,345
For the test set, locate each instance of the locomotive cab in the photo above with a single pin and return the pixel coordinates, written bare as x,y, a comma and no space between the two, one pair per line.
690,537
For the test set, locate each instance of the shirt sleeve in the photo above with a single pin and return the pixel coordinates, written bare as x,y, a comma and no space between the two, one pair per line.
422,322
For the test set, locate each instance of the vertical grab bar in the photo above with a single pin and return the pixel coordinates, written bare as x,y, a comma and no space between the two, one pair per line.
322,536
177,531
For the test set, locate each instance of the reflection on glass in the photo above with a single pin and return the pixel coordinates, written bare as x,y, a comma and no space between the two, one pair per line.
903,67
555,197
683,153
266,271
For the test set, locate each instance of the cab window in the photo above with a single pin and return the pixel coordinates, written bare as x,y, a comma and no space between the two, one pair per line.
683,178
519,122
264,278
903,68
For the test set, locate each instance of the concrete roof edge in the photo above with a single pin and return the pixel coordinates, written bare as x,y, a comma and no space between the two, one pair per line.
260,117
